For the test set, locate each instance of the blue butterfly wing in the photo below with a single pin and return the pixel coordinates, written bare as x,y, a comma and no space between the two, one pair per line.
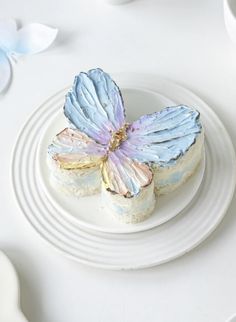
163,136
94,105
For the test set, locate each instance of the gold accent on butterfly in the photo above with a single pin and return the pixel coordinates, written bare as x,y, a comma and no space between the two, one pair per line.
118,137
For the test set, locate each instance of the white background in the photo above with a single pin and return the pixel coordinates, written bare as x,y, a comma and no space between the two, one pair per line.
183,40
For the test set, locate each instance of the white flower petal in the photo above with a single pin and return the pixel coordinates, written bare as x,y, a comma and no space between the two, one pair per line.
34,38
5,71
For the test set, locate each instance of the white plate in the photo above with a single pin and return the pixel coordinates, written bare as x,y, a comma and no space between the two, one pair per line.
142,249
88,212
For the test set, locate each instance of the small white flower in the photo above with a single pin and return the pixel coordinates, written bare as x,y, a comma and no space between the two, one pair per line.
30,39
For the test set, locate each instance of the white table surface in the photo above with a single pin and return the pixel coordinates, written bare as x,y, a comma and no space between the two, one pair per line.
183,40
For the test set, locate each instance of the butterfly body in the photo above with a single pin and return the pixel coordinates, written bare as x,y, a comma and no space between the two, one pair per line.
135,162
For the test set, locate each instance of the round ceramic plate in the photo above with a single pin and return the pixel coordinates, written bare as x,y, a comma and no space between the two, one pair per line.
141,249
88,212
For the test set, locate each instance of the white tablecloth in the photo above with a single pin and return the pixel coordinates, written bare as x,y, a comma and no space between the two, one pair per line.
183,40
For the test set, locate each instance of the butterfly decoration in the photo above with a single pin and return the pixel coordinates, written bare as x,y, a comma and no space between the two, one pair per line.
14,43
99,134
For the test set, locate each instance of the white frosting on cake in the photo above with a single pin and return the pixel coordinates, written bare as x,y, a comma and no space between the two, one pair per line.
130,210
77,182
169,178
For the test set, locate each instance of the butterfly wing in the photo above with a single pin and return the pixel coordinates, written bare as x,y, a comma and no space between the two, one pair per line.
34,38
94,105
124,176
163,136
72,149
5,71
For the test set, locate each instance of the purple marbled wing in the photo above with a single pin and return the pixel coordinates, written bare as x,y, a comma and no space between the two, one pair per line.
95,106
163,136
72,149
124,176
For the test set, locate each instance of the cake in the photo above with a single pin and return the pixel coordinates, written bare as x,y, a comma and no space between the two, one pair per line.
131,164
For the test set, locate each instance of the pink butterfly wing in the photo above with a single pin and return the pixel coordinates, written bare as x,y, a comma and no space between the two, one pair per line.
124,176
72,149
